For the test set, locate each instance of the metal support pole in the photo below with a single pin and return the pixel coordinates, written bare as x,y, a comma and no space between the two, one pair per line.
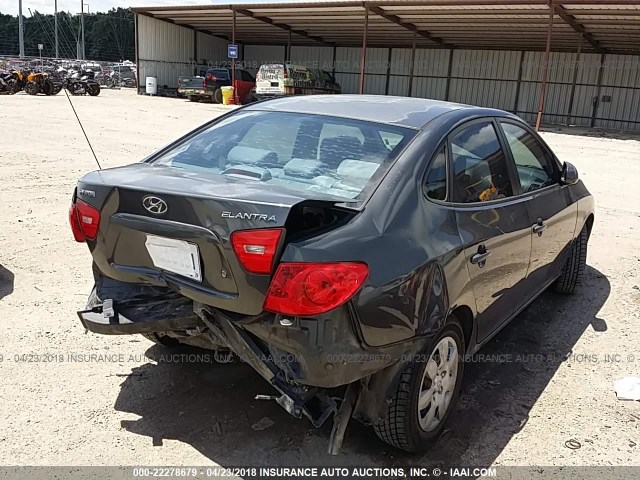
135,27
82,27
596,99
363,63
55,26
412,64
386,85
333,61
20,29
576,69
288,55
195,53
449,68
545,71
516,100
233,60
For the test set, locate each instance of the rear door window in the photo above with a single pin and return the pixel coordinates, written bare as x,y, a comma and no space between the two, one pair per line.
480,170
316,154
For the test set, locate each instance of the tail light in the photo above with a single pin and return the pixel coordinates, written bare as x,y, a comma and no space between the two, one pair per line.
256,249
84,220
286,73
314,288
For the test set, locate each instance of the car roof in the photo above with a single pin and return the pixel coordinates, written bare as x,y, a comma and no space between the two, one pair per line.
403,111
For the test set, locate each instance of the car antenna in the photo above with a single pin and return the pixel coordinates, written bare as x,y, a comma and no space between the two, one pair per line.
82,128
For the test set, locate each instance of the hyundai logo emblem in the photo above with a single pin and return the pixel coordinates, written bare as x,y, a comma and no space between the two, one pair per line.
155,205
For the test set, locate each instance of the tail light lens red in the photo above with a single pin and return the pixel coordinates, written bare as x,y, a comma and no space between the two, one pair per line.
84,220
314,288
256,249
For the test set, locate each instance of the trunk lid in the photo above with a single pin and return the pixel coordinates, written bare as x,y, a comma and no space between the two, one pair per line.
167,226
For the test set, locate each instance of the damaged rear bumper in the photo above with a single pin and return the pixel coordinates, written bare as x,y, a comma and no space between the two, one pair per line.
116,308
301,357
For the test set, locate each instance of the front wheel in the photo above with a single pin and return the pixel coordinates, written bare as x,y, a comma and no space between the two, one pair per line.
94,90
193,98
428,389
31,88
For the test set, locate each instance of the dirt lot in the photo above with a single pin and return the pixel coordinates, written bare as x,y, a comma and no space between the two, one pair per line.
122,407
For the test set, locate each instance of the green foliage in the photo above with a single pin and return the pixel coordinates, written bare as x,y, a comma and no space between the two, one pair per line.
108,36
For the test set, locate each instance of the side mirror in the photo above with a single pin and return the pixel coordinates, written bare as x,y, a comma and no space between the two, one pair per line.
569,174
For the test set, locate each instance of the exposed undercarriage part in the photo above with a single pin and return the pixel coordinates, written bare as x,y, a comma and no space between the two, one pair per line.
128,308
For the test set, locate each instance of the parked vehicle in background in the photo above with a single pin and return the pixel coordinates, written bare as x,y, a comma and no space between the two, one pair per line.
209,86
82,82
40,82
13,81
120,76
289,79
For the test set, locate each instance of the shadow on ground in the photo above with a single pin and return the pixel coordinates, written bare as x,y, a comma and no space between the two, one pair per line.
211,406
6,282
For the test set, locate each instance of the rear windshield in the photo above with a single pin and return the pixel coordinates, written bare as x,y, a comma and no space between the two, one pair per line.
310,153
219,73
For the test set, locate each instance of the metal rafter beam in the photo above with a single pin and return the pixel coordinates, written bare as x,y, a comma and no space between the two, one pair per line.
283,26
578,27
409,26
172,22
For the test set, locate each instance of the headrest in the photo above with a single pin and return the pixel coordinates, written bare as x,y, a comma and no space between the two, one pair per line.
251,155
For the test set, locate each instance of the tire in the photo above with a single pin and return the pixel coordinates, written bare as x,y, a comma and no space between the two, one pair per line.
47,88
94,90
216,96
165,341
193,98
403,425
31,88
573,269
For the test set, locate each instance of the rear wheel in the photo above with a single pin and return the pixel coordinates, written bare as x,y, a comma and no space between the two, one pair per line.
163,340
216,96
573,269
425,396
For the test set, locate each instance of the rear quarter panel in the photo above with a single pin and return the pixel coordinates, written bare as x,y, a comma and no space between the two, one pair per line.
417,268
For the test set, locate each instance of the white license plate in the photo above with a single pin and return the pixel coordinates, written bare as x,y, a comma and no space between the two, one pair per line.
176,256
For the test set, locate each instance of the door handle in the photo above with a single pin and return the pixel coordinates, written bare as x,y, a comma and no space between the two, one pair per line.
539,227
481,257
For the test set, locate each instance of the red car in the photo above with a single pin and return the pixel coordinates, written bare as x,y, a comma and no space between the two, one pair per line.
209,86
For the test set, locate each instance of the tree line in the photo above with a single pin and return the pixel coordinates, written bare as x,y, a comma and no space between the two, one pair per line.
109,36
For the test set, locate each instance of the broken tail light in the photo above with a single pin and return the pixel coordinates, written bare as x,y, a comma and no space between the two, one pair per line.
312,288
256,249
84,220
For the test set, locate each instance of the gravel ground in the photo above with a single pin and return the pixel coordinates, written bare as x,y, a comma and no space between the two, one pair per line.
131,404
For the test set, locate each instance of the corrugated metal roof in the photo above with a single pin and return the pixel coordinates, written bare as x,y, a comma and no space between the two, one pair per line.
607,25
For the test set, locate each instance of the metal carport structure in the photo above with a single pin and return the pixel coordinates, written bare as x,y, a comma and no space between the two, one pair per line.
574,52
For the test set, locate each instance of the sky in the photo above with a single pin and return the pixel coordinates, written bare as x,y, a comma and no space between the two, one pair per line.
73,6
